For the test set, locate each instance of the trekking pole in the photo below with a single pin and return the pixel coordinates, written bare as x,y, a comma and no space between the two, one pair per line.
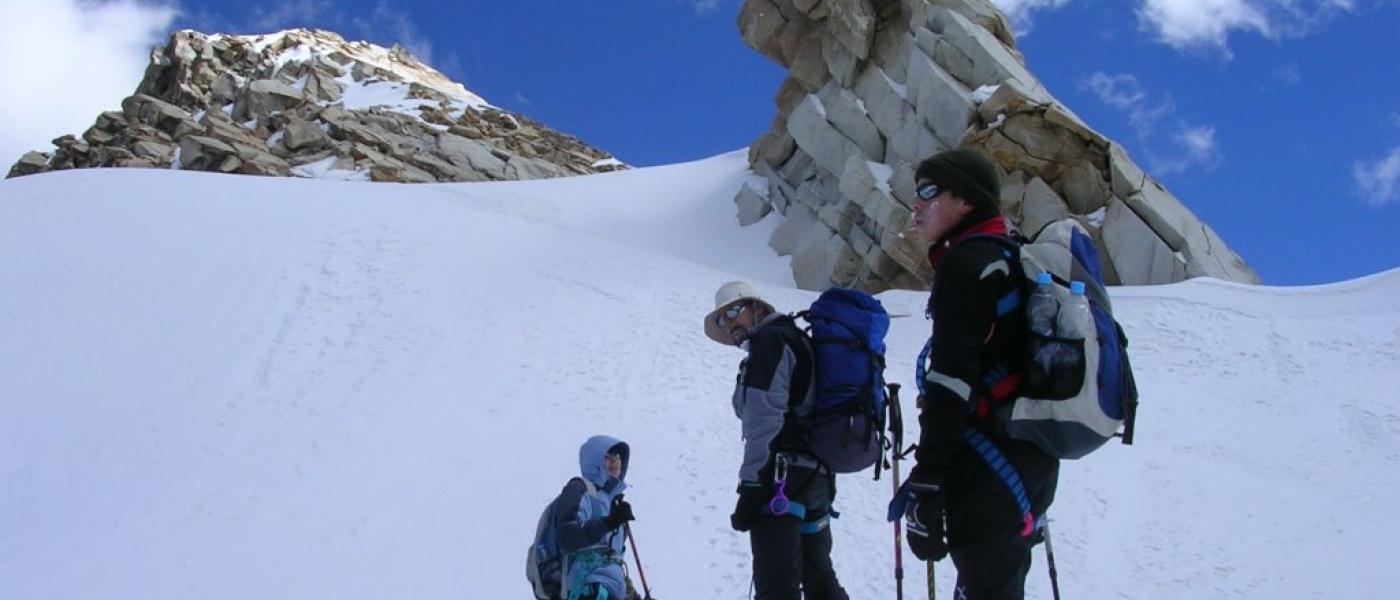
919,375
637,556
897,441
932,589
1050,558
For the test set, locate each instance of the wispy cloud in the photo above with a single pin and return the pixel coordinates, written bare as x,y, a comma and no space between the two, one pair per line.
1191,147
53,88
1020,11
1205,25
1208,24
288,14
1379,180
1288,74
1125,93
391,22
1171,145
1119,91
703,7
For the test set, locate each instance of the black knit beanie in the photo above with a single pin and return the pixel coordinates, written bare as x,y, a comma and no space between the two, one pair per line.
969,173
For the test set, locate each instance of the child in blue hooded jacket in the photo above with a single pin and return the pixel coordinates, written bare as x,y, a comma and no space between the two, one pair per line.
590,535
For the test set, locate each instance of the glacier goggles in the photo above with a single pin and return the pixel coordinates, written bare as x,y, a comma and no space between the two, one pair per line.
724,318
928,191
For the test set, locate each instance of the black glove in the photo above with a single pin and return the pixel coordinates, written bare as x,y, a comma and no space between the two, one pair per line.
923,517
620,513
752,498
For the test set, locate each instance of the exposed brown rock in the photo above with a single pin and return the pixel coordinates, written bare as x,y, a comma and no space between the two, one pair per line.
238,104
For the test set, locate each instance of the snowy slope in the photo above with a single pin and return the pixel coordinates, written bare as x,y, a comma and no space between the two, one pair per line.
239,387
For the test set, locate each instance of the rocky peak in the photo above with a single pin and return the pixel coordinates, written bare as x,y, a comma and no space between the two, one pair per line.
875,86
308,103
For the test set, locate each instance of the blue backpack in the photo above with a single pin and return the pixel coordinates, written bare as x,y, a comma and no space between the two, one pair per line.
847,333
545,565
1068,408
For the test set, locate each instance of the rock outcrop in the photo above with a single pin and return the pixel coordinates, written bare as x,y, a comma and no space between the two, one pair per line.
875,86
307,103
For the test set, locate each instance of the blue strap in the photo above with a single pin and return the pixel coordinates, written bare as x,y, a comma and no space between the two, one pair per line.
796,509
1010,249
1005,471
1011,301
799,510
998,373
920,371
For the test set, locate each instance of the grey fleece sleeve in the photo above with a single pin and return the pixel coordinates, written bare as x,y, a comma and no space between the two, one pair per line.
761,399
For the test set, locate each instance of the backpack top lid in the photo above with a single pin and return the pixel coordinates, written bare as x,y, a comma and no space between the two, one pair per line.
861,315
1067,252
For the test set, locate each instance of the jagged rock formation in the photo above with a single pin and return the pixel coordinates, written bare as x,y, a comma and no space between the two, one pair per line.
875,86
307,103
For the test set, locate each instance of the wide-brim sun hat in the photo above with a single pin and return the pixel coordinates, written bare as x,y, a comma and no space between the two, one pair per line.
729,294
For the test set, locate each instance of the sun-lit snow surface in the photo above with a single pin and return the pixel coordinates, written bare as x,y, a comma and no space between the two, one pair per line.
239,387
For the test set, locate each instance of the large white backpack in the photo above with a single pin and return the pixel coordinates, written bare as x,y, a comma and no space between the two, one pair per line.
1073,410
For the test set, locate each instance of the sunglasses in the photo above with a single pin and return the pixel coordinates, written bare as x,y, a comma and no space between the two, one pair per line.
731,313
928,191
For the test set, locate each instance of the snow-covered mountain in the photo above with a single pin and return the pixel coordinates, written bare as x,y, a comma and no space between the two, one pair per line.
288,388
308,103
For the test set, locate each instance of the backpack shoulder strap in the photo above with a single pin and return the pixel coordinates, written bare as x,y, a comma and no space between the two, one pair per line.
1011,249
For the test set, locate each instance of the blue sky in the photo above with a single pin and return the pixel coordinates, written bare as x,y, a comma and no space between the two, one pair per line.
1276,121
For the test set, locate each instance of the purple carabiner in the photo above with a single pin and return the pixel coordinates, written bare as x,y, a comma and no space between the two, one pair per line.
779,504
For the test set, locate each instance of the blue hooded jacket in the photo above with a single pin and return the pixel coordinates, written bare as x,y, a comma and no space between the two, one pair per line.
594,551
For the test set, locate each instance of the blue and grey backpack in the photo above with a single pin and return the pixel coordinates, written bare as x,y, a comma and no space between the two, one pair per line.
545,565
847,332
1072,411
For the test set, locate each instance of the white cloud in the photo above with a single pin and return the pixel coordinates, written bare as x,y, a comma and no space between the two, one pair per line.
289,14
397,27
1019,11
702,6
1288,74
1119,91
1208,24
1171,145
69,60
1192,147
1379,180
1199,141
1125,93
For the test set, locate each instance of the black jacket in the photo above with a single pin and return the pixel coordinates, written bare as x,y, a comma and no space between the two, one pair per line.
969,341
